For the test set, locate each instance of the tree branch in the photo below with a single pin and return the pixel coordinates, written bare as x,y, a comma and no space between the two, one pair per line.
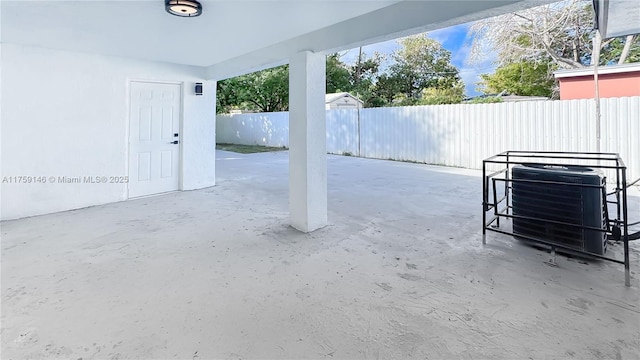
625,50
573,64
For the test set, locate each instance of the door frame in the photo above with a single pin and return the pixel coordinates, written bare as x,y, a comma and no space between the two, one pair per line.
130,81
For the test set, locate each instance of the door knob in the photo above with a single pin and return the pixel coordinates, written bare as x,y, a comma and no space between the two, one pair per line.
174,142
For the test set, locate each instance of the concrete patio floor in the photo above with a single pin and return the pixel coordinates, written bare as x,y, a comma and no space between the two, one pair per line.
399,273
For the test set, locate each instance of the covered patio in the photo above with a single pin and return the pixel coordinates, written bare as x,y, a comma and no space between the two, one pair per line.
399,272
125,91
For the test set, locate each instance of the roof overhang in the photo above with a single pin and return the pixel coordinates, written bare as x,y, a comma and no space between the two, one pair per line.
588,71
231,37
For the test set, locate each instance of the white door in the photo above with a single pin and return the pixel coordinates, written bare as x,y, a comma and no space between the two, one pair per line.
154,139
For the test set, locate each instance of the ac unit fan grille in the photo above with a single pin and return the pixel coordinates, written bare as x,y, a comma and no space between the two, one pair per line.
559,202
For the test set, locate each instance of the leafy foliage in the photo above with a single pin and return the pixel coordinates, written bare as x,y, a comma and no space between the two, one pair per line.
612,51
268,90
485,100
442,95
525,78
338,75
561,33
364,75
420,63
533,43
421,73
263,91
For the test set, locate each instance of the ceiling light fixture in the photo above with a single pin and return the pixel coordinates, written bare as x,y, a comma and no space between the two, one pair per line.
183,8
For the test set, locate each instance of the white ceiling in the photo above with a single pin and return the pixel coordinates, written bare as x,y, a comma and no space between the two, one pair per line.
231,36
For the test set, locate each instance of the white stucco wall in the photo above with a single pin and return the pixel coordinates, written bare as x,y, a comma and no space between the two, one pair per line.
66,114
0,112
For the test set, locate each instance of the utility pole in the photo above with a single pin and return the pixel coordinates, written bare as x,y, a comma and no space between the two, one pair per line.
356,81
595,59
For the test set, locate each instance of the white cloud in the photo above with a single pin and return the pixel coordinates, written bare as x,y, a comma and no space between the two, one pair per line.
444,35
460,57
458,39
386,47
470,73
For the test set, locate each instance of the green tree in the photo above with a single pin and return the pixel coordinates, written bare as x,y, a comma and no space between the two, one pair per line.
268,90
532,43
485,100
227,97
525,78
420,63
263,91
560,32
442,94
613,51
338,75
364,75
386,88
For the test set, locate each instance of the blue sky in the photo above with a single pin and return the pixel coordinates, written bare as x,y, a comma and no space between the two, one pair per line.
456,39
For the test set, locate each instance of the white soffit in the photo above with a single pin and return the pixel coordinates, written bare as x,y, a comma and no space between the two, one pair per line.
617,18
144,30
393,21
231,37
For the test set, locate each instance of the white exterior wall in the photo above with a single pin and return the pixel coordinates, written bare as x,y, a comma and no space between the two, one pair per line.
1,112
465,134
66,114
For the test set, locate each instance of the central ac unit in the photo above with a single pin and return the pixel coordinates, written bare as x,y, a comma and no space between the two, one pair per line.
550,195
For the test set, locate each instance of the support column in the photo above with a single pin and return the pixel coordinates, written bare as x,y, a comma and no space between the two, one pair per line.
307,142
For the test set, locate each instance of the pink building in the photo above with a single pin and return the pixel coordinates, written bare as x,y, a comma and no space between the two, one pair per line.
613,81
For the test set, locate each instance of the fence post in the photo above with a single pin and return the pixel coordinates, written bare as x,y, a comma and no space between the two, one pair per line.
358,123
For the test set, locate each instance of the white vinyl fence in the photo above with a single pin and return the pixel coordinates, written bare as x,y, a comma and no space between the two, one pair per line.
459,135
